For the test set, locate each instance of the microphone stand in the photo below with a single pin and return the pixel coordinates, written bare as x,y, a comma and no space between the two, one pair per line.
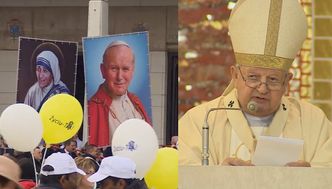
205,135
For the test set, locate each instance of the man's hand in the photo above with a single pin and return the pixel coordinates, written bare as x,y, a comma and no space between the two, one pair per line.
299,163
236,162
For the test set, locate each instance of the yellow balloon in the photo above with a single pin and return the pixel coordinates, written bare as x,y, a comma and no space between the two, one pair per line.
164,171
62,117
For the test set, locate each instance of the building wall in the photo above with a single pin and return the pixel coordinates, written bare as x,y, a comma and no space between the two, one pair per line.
70,23
8,77
322,55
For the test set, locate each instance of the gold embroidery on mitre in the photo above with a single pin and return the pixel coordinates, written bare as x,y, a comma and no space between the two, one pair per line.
273,27
263,61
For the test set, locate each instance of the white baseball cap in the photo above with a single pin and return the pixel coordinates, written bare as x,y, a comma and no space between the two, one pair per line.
115,166
62,163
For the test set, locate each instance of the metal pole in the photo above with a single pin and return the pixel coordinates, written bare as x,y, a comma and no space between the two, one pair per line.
205,135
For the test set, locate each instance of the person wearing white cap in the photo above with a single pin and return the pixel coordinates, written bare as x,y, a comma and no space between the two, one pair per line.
9,174
48,79
266,37
59,172
117,172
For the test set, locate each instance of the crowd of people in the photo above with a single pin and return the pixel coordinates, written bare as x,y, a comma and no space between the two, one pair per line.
55,166
66,166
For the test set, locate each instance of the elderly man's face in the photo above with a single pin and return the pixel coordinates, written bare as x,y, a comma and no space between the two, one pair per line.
44,77
118,69
267,100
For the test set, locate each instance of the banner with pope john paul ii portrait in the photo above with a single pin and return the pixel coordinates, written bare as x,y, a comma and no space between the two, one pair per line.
117,82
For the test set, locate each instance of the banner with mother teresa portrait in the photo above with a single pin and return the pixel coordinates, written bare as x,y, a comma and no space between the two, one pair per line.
117,83
45,68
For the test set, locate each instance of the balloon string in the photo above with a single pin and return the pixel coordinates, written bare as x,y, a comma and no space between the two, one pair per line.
34,166
44,155
43,162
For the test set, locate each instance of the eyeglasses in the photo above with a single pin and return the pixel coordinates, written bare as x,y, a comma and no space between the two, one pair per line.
272,83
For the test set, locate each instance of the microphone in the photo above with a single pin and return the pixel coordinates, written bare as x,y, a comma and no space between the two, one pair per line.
205,135
252,106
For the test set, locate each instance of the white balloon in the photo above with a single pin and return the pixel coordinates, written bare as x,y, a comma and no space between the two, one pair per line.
136,139
21,127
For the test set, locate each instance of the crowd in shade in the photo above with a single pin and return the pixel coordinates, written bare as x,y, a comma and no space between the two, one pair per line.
69,165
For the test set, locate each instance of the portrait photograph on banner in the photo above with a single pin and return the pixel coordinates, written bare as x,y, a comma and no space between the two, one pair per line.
45,68
117,82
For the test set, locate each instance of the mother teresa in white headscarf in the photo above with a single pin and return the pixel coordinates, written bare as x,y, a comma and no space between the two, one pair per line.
48,80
